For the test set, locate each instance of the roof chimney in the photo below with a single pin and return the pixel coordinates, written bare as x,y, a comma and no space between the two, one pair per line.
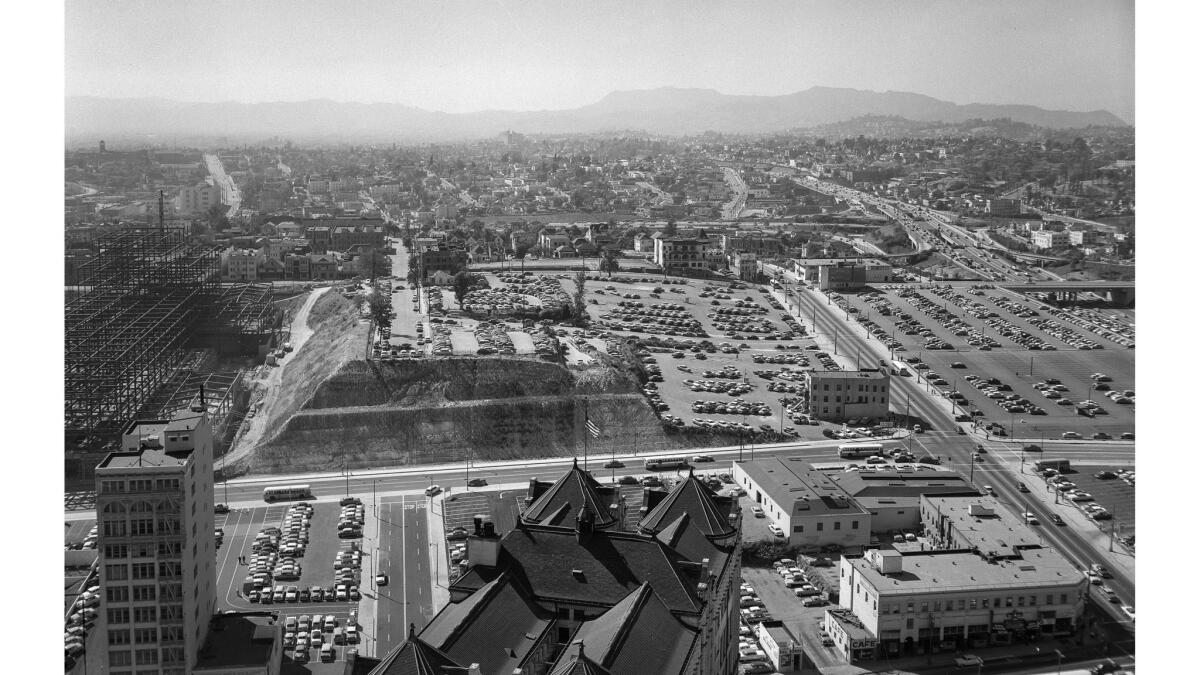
483,548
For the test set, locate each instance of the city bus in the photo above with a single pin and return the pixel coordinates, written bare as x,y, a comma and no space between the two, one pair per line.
860,450
900,368
1059,465
666,463
287,492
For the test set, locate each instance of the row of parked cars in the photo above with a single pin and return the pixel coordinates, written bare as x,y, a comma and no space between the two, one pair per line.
305,633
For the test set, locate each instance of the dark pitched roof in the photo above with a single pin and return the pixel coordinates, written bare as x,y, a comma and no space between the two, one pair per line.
611,564
578,489
497,631
575,661
694,498
414,657
637,635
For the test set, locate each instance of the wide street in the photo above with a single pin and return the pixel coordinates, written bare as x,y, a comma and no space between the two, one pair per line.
911,400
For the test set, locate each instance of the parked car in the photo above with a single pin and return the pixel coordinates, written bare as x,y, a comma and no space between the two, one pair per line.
968,660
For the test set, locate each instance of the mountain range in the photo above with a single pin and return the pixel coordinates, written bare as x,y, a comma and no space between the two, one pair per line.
656,111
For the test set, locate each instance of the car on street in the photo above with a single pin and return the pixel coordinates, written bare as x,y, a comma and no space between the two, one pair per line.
628,480
221,508
776,530
476,482
381,580
1071,435
702,458
1057,519
432,490
1030,519
614,464
968,660
758,512
1033,447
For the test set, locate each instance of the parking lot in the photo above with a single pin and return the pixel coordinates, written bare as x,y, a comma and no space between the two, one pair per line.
955,326
241,527
1114,494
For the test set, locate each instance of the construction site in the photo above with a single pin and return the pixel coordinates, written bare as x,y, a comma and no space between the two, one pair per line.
151,330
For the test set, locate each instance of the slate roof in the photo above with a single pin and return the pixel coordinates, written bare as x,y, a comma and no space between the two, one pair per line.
694,498
577,488
637,635
575,661
611,564
496,627
415,657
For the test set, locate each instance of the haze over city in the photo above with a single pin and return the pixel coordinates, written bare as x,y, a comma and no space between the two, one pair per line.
475,56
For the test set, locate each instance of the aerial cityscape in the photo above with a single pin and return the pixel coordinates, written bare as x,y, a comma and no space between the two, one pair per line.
827,373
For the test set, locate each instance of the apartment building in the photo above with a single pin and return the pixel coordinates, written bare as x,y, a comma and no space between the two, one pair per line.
1003,207
675,254
1047,239
197,199
154,502
848,394
241,264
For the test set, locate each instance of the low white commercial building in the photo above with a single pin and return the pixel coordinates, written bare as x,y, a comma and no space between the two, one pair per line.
807,504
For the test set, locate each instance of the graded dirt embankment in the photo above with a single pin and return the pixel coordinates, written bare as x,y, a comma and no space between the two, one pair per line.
336,408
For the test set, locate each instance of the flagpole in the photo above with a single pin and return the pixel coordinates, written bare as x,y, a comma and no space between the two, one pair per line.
586,432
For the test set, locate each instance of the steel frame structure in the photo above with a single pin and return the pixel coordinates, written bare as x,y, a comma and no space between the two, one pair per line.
127,334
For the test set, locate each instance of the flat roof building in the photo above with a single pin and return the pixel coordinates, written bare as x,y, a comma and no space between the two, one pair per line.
840,395
929,601
242,643
154,507
808,504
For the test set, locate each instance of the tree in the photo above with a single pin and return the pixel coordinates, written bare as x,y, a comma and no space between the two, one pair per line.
580,310
462,285
380,309
609,263
669,230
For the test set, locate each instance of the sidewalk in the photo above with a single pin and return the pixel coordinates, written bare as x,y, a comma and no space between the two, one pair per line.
368,606
439,559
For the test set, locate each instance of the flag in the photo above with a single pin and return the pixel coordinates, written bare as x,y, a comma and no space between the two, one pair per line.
593,429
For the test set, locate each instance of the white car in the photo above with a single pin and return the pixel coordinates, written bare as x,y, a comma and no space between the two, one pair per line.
432,490
968,660
776,530
758,512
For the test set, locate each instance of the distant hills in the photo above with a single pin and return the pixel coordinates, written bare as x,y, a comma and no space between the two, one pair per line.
658,111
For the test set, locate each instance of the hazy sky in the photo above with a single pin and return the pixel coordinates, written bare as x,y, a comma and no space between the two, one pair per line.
461,56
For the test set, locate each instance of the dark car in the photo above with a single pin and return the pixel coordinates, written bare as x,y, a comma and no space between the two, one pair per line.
221,508
929,459
614,464
1057,519
1033,447
476,482
628,480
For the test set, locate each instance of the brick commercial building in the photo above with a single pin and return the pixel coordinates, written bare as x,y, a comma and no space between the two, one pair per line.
848,394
